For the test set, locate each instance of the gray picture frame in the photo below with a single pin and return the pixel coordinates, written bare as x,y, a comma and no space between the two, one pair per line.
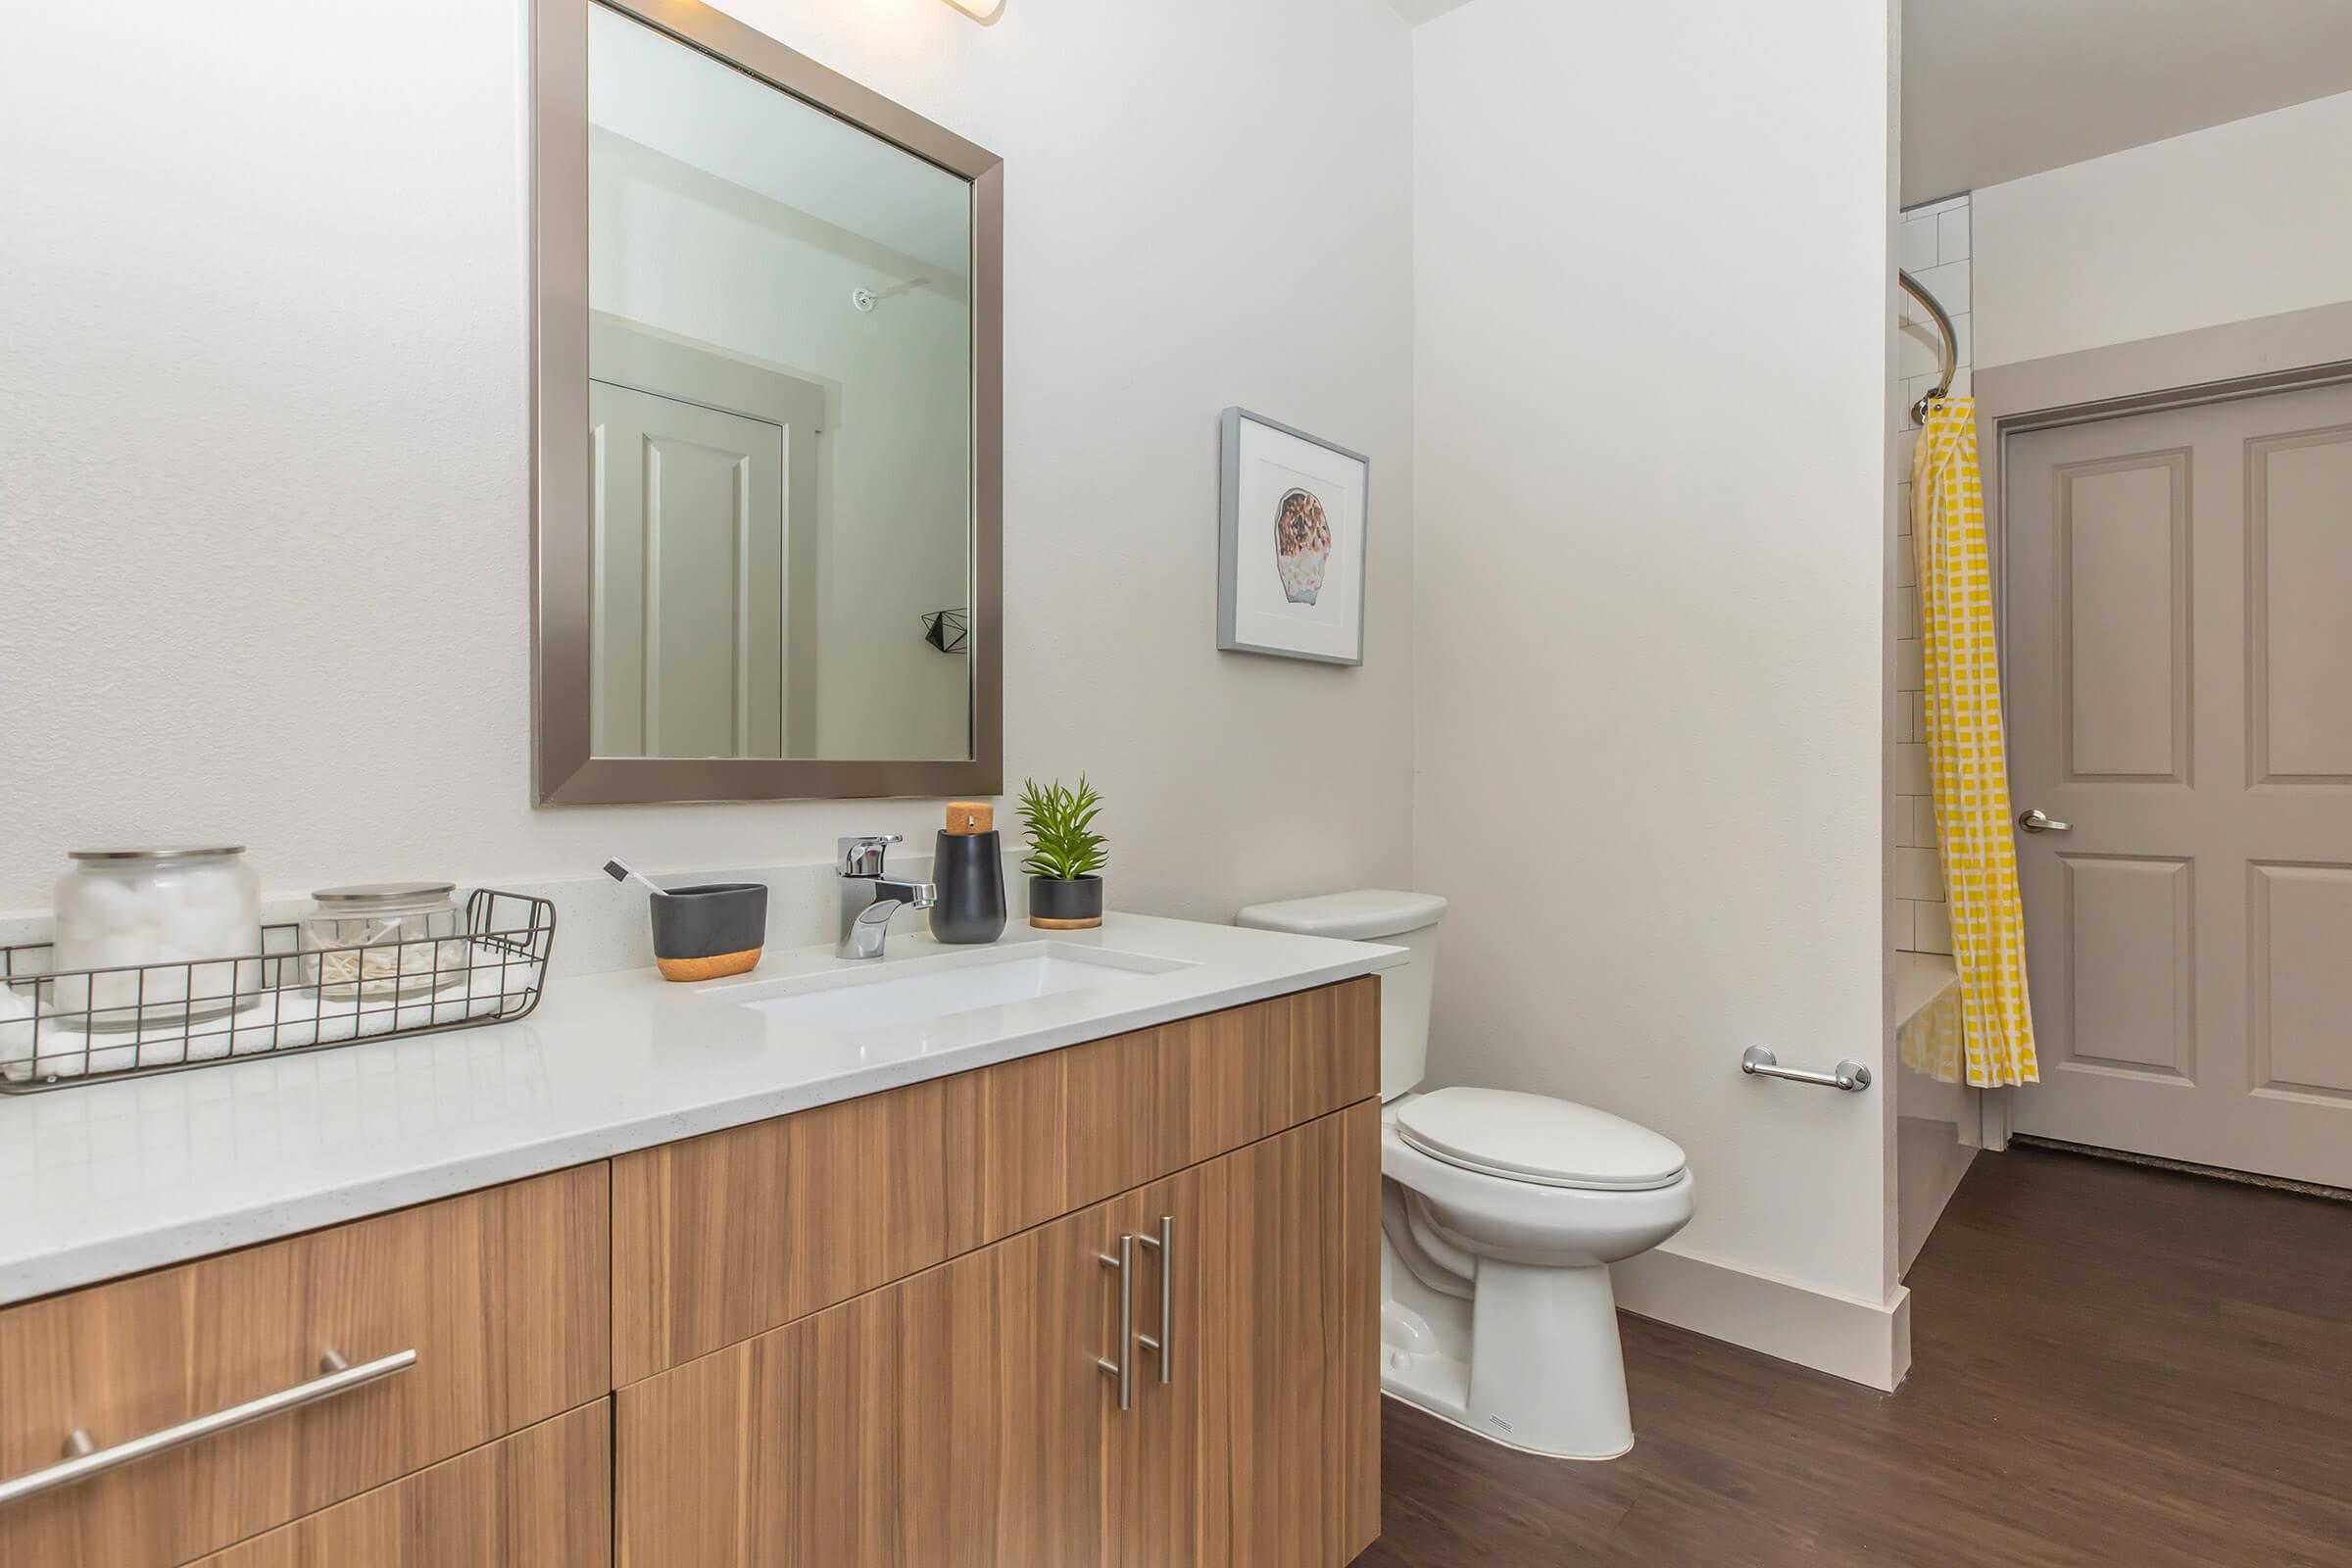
1229,526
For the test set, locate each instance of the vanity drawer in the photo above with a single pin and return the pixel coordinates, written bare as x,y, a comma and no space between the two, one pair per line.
501,1294
541,1499
719,1237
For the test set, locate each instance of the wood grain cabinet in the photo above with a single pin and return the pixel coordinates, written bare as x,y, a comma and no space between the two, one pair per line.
966,1415
500,1294
719,1238
540,1499
1115,1304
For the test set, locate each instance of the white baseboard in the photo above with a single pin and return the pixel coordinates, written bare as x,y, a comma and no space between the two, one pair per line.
1863,1342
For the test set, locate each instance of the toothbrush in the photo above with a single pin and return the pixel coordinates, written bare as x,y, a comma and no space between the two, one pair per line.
620,871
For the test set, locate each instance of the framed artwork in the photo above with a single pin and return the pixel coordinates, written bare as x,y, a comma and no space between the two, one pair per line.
1291,542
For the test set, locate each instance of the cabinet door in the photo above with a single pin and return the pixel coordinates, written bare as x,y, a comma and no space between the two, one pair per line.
1287,1348
955,1418
501,1293
541,1499
962,1418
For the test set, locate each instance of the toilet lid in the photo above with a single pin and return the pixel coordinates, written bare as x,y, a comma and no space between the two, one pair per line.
1534,1138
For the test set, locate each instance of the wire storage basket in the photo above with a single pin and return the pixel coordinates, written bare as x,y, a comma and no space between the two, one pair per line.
63,1027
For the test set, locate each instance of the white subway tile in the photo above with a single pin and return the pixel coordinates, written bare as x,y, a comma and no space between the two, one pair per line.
1910,666
1906,824
1965,336
1951,234
1906,565
1919,350
1923,831
1930,929
1918,874
1948,283
1916,246
1911,770
1904,923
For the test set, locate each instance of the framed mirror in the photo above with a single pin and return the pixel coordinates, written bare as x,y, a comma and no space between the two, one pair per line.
766,397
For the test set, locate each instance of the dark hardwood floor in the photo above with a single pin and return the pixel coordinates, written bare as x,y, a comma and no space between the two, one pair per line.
2110,1365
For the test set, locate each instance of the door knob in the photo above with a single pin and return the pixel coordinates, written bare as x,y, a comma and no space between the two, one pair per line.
2035,820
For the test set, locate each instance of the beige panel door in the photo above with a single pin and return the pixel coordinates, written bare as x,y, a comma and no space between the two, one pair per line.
2178,598
687,642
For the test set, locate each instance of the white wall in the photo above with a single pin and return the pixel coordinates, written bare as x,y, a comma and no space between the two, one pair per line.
1651,589
2242,220
263,435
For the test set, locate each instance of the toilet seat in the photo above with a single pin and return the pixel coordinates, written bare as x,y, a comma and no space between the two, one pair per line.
1539,1140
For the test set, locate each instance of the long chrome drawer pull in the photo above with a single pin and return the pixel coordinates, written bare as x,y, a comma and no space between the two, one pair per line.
1850,1075
1165,1243
87,1459
1124,1367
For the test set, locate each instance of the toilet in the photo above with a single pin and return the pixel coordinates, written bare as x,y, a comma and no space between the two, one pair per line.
1501,1214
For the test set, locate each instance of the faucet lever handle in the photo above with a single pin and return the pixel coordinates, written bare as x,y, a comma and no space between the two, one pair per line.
862,856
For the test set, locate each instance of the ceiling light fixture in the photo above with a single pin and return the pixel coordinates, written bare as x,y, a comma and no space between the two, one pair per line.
979,10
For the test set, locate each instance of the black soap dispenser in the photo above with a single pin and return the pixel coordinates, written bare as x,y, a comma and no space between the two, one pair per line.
969,870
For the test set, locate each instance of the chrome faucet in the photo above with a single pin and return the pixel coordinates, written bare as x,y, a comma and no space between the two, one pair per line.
868,899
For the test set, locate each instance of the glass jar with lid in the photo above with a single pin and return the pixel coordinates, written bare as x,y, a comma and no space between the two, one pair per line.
190,909
410,939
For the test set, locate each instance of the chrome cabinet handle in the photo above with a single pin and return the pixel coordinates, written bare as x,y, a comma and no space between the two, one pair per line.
85,1459
1759,1061
1124,1367
2036,820
1165,1243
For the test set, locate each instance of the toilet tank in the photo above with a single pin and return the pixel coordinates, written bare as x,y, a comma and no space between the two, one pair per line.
1407,921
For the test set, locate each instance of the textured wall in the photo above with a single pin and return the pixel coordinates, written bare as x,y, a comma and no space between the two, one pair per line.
264,436
1650,586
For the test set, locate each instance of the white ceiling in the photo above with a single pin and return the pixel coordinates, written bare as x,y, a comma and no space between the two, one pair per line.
1995,89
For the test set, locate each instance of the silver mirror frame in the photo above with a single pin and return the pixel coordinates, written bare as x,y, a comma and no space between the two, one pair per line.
563,769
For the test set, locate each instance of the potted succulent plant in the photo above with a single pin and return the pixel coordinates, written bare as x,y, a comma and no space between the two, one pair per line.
1065,854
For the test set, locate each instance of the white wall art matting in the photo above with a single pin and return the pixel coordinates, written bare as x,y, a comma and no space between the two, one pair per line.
1291,542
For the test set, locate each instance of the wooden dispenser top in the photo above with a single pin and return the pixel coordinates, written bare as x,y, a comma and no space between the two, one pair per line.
971,816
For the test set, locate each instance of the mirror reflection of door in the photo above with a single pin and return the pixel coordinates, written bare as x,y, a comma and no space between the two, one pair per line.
704,511
781,409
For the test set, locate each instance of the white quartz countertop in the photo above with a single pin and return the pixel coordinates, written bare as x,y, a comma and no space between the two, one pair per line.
103,1179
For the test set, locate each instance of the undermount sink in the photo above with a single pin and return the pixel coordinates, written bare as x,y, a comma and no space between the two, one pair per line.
920,989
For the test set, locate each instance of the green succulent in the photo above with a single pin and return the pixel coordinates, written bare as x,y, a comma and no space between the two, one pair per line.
1061,823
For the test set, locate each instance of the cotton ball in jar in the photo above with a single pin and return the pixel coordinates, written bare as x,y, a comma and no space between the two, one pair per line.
108,905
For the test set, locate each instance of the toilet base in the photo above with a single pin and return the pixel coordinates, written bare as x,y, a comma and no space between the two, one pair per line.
1548,1372
1547,1340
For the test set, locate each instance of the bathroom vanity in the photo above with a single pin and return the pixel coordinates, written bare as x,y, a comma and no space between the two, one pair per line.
683,1276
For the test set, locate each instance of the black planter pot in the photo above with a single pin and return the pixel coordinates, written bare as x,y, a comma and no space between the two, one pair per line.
706,932
1057,903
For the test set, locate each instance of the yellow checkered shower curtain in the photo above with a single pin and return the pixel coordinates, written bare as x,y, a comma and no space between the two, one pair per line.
1971,770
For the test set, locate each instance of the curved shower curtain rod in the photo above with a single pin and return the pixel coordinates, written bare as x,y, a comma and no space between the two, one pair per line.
1952,345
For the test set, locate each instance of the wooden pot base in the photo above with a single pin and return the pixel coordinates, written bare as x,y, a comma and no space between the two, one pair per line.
715,967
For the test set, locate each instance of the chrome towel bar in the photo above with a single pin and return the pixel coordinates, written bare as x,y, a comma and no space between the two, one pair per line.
1850,1075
